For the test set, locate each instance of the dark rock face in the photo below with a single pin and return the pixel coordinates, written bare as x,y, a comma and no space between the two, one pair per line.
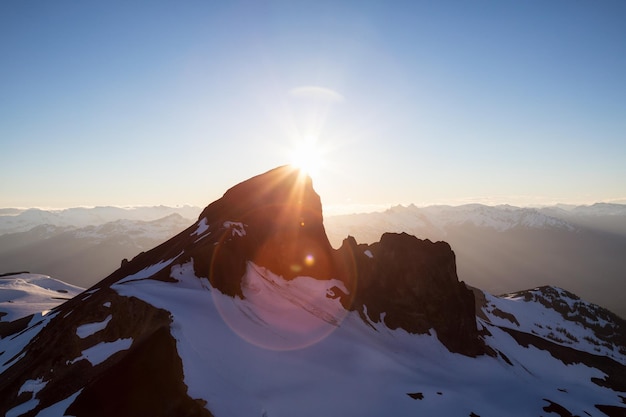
283,229
412,284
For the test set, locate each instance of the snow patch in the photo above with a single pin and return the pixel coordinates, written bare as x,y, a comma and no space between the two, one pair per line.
237,228
88,329
32,385
147,271
21,409
203,226
13,348
103,351
59,409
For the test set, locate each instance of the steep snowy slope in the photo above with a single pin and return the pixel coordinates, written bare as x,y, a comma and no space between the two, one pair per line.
249,311
359,367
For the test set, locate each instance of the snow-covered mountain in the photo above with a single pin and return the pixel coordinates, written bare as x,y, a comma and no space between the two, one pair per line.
24,294
605,217
503,248
250,311
438,220
557,315
595,210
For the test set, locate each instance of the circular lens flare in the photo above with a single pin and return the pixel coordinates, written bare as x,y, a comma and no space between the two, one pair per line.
279,314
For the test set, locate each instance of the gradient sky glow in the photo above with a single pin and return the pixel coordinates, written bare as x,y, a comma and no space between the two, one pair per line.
147,103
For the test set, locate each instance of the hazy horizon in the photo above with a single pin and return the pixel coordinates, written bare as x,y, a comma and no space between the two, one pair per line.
330,210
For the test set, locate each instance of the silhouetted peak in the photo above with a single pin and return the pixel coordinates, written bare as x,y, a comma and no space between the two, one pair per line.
284,186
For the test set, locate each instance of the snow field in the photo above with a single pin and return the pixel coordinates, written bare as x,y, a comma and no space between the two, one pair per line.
24,294
357,369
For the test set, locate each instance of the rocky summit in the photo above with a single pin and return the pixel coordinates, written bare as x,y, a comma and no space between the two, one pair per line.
250,311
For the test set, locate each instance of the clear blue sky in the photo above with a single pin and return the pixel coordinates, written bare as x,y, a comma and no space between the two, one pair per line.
142,103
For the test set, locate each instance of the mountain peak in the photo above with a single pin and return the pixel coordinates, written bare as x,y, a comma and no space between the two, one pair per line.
284,186
273,220
283,213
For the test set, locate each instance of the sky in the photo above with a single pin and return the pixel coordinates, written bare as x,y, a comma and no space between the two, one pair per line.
163,102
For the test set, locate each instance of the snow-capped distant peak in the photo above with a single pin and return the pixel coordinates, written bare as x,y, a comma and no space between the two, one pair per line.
500,218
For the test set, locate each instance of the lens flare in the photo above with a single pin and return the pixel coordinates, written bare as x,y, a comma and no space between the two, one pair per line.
278,314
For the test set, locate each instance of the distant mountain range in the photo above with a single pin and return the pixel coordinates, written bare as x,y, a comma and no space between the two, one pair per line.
249,311
14,220
81,254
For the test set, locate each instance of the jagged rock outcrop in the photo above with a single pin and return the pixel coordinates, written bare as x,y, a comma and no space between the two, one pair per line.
412,284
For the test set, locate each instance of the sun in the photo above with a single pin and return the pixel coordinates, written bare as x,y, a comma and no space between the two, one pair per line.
307,156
